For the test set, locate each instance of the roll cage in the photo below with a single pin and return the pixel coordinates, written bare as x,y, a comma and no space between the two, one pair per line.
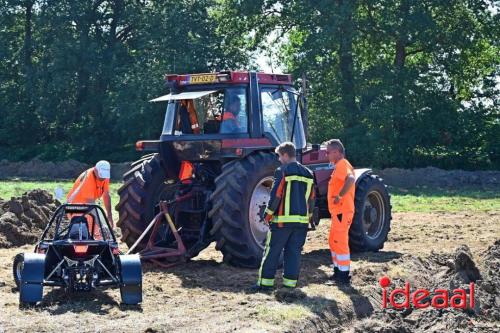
63,216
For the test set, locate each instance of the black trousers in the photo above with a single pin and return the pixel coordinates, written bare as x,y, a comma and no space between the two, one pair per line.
288,239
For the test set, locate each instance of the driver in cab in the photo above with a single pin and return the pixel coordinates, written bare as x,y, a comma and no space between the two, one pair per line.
230,123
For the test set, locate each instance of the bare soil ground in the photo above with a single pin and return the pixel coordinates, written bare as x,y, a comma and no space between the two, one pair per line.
37,169
205,295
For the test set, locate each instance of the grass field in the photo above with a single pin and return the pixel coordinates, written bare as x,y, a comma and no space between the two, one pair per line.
445,200
403,200
12,188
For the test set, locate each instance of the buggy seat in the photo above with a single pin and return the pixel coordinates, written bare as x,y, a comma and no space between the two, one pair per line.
78,229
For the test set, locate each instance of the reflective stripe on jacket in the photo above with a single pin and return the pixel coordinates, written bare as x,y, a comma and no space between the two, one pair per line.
292,195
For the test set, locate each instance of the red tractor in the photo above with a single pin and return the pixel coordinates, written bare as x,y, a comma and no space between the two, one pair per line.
214,164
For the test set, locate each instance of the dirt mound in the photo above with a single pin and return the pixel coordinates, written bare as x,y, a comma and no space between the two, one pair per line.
490,298
434,177
40,169
445,271
405,178
36,169
22,219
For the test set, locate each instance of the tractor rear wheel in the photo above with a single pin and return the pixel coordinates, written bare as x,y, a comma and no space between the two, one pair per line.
241,193
144,186
372,218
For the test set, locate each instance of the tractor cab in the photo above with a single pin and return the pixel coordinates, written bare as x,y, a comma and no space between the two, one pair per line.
222,116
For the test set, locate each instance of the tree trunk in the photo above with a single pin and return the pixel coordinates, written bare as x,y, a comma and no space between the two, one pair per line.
346,62
400,57
28,45
83,75
399,85
28,120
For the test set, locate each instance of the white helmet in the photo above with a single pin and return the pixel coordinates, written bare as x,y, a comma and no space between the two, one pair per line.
103,169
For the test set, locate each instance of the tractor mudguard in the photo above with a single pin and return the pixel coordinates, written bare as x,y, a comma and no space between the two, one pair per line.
360,173
31,288
131,278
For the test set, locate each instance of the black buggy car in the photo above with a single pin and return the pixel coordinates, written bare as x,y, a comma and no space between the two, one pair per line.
77,251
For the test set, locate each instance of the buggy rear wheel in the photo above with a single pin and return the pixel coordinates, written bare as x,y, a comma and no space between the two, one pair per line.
17,268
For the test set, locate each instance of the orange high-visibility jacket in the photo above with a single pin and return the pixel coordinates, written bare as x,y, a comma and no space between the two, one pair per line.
193,117
337,181
228,116
87,188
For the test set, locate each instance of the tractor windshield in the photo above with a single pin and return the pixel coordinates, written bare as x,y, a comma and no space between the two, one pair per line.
206,112
279,109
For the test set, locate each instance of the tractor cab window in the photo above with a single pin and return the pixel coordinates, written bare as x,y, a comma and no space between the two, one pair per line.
278,113
168,124
221,111
234,117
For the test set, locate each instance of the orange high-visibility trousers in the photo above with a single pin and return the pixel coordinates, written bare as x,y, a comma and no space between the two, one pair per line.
339,241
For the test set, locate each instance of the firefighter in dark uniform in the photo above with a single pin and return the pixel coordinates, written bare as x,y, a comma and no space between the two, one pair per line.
288,212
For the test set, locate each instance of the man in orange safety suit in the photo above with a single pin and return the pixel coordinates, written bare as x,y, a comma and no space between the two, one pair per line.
341,206
91,185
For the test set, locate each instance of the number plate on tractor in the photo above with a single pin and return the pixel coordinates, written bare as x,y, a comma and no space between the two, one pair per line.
205,78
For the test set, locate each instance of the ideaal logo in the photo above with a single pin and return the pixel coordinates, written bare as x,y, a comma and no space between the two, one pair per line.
439,299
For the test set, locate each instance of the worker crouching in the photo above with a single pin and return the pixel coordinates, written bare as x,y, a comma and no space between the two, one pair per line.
90,186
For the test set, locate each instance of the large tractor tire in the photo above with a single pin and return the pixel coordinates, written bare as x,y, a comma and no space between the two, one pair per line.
241,194
144,185
372,218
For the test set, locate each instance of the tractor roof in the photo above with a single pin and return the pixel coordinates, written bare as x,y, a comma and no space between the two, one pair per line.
226,77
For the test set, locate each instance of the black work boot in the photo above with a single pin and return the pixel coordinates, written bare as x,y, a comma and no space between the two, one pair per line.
335,275
343,278
259,289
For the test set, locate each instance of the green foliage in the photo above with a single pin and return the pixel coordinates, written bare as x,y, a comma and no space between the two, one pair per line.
402,83
76,75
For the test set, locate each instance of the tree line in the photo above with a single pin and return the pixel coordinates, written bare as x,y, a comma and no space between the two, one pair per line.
403,83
